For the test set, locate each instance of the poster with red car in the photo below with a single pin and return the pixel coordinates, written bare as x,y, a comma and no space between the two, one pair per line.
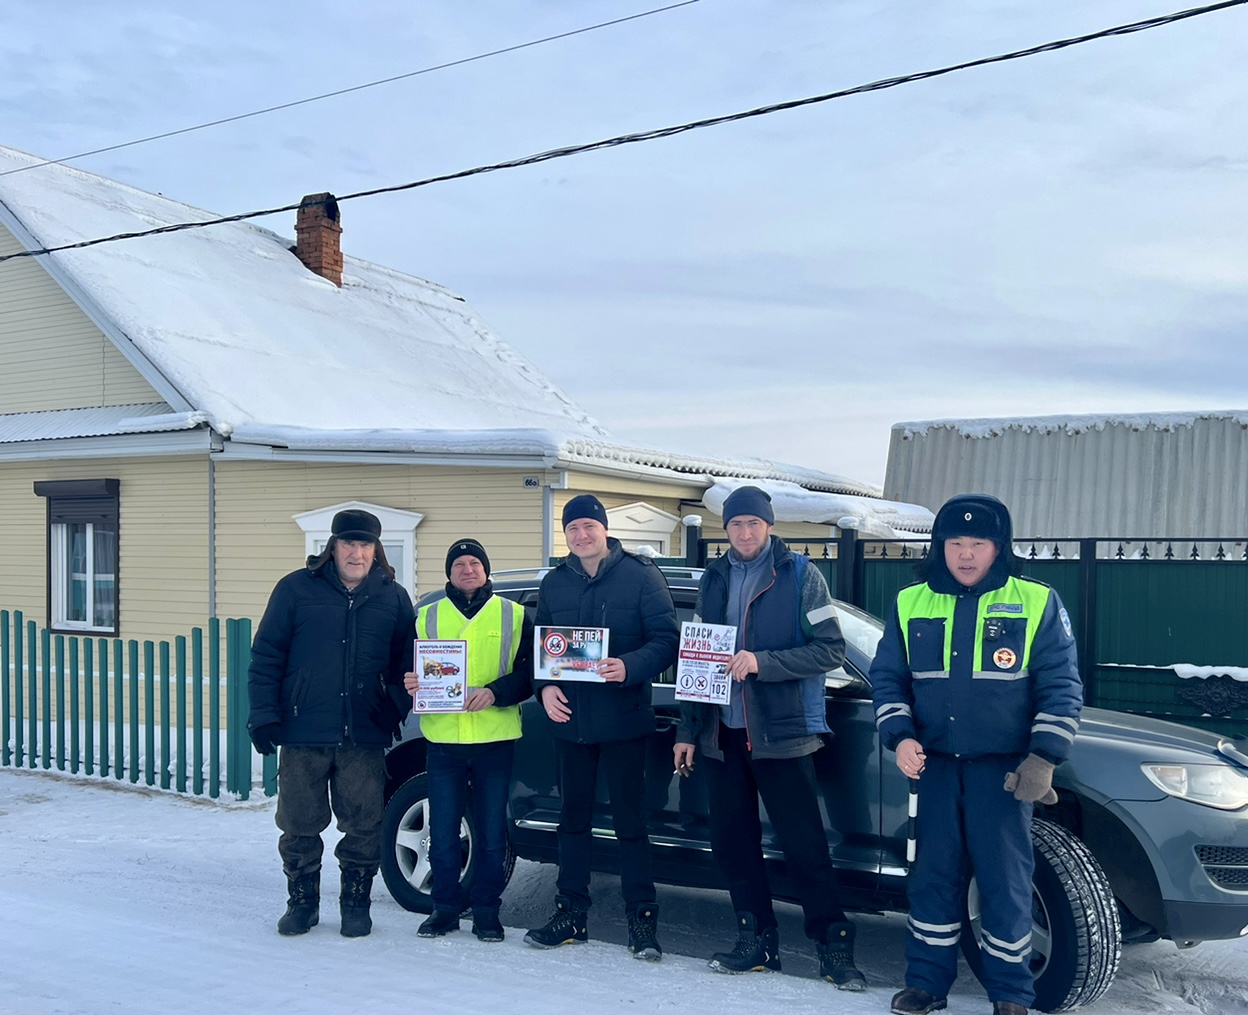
442,670
570,653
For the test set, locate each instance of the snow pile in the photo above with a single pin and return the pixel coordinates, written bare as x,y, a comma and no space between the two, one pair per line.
880,519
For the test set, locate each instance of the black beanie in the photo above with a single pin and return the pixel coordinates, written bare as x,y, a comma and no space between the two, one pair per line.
749,500
585,505
356,524
467,548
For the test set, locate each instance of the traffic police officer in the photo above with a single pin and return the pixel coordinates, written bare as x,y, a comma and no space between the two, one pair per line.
977,689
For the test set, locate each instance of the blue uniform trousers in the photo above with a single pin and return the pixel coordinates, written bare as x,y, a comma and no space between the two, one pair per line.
967,824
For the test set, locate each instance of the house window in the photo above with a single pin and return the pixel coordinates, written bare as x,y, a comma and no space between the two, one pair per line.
398,535
83,528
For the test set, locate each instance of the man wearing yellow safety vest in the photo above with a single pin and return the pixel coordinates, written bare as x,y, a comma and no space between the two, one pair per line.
976,687
470,752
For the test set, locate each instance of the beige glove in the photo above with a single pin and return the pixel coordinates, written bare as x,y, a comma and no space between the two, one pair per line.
1032,781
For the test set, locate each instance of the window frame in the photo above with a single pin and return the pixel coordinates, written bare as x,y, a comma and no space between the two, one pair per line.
397,526
71,502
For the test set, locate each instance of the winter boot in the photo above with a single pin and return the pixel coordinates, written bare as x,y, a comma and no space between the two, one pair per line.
754,952
916,1001
836,958
566,927
443,922
643,927
486,925
1008,1008
353,903
303,905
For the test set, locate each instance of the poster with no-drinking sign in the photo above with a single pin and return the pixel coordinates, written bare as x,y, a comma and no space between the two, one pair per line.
702,663
570,653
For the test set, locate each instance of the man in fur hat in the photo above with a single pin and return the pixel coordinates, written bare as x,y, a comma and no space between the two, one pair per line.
334,641
976,687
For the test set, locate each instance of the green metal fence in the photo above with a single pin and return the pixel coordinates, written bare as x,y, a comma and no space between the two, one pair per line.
1161,632
148,713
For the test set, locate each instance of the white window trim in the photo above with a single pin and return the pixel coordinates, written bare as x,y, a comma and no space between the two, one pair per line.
61,589
654,529
397,526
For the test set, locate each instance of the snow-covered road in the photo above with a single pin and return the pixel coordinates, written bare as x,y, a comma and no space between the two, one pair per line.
116,899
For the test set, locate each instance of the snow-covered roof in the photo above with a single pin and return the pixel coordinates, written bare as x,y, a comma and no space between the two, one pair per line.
1071,424
229,326
880,519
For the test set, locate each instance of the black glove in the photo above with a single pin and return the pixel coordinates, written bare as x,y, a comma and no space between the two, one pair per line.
387,717
262,737
1032,781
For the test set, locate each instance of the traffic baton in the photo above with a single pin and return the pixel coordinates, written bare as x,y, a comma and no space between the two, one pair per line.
913,812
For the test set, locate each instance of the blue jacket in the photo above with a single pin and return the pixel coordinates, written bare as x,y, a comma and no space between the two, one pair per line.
323,660
794,634
988,670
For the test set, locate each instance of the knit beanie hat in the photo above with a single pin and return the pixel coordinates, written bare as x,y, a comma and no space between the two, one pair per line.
585,505
356,524
749,500
467,548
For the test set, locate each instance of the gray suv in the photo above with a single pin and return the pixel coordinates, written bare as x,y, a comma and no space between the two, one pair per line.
1148,839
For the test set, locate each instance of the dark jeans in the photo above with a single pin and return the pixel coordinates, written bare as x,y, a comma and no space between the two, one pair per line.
788,791
308,779
458,773
623,765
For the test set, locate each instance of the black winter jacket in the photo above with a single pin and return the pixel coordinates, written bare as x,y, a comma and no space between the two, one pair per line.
630,597
323,659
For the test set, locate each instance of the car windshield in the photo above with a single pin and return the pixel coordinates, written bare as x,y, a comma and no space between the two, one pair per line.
859,628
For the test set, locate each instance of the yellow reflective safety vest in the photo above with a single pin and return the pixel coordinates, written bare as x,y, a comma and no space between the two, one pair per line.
493,638
926,619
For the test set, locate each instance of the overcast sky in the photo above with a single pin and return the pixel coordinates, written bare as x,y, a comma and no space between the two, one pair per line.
1066,233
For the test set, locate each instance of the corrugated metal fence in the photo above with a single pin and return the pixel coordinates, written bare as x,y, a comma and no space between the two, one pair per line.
1162,625
161,714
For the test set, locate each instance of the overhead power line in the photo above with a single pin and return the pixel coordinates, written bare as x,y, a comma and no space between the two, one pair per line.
662,132
352,88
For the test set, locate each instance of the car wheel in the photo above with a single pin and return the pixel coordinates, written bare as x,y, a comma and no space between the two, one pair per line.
1076,939
405,847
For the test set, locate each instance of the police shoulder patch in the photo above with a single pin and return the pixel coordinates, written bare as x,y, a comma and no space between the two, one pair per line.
1065,622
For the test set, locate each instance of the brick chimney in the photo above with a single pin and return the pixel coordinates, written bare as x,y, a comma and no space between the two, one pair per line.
317,233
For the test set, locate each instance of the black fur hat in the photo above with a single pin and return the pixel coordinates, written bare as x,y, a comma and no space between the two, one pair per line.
356,524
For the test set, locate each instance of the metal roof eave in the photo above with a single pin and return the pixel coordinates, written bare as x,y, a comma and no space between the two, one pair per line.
146,445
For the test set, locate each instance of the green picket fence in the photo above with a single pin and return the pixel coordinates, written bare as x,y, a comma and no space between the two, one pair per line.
148,712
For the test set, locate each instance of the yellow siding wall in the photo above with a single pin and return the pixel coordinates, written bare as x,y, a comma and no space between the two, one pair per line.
51,355
258,541
163,568
678,499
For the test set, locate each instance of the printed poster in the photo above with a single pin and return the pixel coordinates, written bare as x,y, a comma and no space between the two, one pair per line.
442,668
702,662
570,653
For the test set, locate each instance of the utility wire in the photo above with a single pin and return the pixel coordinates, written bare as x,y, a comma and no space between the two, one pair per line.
651,135
353,88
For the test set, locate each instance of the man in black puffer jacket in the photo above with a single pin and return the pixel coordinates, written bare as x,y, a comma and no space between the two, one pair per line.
335,638
606,724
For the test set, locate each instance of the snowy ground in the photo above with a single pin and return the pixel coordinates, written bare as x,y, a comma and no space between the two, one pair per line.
117,899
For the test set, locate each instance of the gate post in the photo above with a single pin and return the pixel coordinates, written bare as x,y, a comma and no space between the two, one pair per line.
848,580
1085,637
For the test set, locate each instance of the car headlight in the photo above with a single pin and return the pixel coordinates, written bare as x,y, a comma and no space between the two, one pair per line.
1218,786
